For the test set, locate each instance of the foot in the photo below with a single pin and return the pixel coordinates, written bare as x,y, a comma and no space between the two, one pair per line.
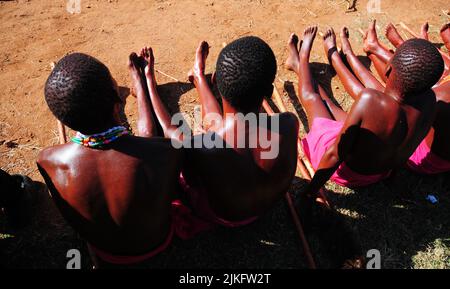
293,61
393,36
137,80
346,47
308,38
329,43
148,62
445,35
200,60
424,31
371,39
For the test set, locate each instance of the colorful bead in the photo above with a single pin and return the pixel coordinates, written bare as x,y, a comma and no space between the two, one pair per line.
100,139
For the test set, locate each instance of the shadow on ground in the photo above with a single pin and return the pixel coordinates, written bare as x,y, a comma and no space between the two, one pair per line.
270,242
399,222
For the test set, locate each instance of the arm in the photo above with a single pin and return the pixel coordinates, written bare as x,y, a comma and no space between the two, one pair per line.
328,165
207,98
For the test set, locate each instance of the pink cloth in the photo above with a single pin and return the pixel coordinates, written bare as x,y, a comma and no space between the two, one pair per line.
424,161
322,135
185,225
200,205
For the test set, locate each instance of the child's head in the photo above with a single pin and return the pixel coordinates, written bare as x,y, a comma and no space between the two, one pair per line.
245,71
82,94
416,66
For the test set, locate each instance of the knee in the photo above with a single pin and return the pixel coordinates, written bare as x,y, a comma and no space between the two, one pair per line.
311,97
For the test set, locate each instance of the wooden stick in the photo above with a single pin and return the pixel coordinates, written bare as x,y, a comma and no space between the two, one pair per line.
282,108
361,31
410,31
293,211
300,165
301,233
267,107
278,99
307,167
167,75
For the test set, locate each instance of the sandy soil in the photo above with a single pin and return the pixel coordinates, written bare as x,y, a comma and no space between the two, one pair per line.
36,33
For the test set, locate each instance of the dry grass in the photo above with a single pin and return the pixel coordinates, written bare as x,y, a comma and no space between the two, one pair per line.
436,256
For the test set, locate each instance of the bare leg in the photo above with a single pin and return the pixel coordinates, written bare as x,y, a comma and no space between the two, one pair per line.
393,36
293,61
197,77
379,65
363,74
146,123
424,31
308,97
350,82
159,109
293,64
336,111
372,46
445,57
445,35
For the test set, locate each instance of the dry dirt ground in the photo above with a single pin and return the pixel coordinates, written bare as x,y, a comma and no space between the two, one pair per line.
408,231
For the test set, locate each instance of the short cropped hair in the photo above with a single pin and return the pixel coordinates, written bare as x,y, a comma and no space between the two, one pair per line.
245,71
80,92
418,64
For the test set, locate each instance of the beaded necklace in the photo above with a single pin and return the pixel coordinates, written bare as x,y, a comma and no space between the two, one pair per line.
100,139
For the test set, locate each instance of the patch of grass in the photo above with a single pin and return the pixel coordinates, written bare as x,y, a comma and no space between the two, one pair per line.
400,222
436,256
5,236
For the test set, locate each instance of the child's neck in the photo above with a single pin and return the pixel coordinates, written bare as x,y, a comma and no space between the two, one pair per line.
229,109
395,93
231,122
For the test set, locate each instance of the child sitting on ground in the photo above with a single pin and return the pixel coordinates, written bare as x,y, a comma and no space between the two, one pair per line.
113,188
232,184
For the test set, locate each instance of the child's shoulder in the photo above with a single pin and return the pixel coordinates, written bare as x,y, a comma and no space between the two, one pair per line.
49,154
370,94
